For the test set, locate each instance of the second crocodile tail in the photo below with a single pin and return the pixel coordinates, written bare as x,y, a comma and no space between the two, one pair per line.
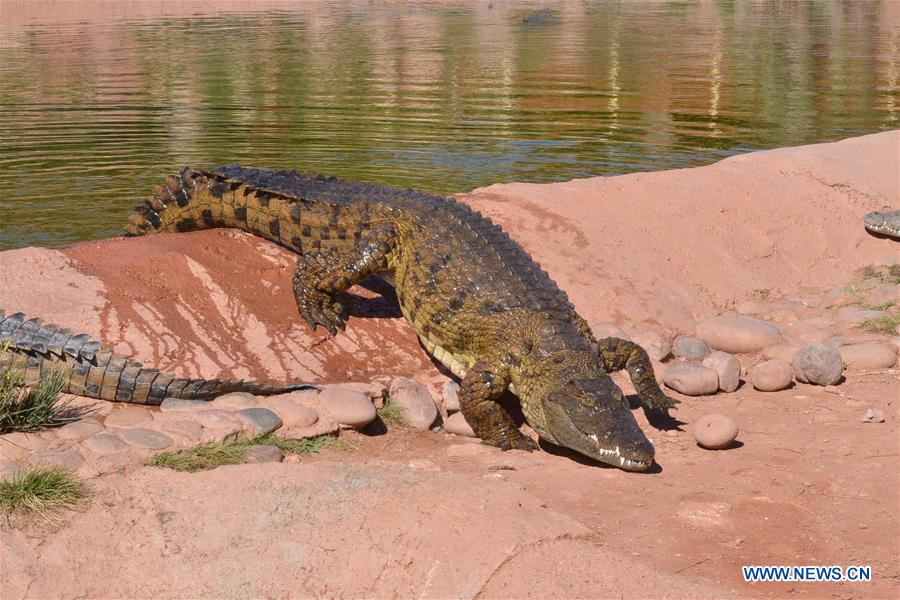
30,349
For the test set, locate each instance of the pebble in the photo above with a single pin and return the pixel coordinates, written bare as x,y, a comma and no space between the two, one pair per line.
70,458
691,379
415,401
215,418
79,430
605,329
715,432
873,415
236,400
868,355
263,453
146,438
727,367
456,423
170,404
105,444
292,412
658,348
885,294
772,375
690,348
818,364
738,333
783,352
259,421
849,318
348,407
128,416
186,428
10,442
450,396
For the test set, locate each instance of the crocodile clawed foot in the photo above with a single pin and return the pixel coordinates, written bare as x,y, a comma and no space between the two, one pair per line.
323,311
659,402
516,442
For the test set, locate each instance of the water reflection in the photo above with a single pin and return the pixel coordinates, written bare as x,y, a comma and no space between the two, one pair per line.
98,100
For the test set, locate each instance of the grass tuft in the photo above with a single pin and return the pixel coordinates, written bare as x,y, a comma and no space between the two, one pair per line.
894,272
392,414
40,490
886,324
217,454
33,408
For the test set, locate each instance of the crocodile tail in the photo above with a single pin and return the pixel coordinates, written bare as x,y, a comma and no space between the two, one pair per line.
198,199
30,350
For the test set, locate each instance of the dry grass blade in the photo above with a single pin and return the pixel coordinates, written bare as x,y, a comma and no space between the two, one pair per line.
40,490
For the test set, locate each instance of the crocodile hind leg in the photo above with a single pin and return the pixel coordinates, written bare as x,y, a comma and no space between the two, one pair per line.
621,354
320,276
480,389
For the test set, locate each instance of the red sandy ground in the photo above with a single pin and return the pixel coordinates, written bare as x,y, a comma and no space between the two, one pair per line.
432,515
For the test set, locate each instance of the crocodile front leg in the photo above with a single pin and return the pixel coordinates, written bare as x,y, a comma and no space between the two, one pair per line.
621,354
480,388
320,276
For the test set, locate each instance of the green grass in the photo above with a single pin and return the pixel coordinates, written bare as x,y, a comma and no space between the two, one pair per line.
40,490
886,324
33,408
216,454
391,414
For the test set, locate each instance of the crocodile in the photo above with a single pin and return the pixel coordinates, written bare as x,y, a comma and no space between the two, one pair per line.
31,349
478,302
883,223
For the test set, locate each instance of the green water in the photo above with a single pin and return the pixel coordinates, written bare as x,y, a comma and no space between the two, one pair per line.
445,96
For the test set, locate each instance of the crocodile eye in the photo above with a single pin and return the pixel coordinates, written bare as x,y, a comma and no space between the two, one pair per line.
638,370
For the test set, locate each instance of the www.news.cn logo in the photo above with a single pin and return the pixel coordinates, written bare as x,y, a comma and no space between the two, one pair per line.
807,573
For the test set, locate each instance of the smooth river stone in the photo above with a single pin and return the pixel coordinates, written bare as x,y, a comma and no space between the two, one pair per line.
347,407
605,329
738,334
79,430
104,444
263,453
727,367
292,412
771,375
456,423
259,421
128,416
146,438
885,294
187,428
691,379
415,401
69,458
868,355
236,400
715,432
217,419
690,348
173,404
783,352
818,364
450,396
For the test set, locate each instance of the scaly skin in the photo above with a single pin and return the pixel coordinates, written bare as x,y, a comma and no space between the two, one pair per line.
30,349
884,223
479,304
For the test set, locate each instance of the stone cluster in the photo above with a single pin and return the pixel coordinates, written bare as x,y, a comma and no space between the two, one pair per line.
112,435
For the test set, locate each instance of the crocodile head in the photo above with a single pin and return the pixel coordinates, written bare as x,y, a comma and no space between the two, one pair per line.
587,412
